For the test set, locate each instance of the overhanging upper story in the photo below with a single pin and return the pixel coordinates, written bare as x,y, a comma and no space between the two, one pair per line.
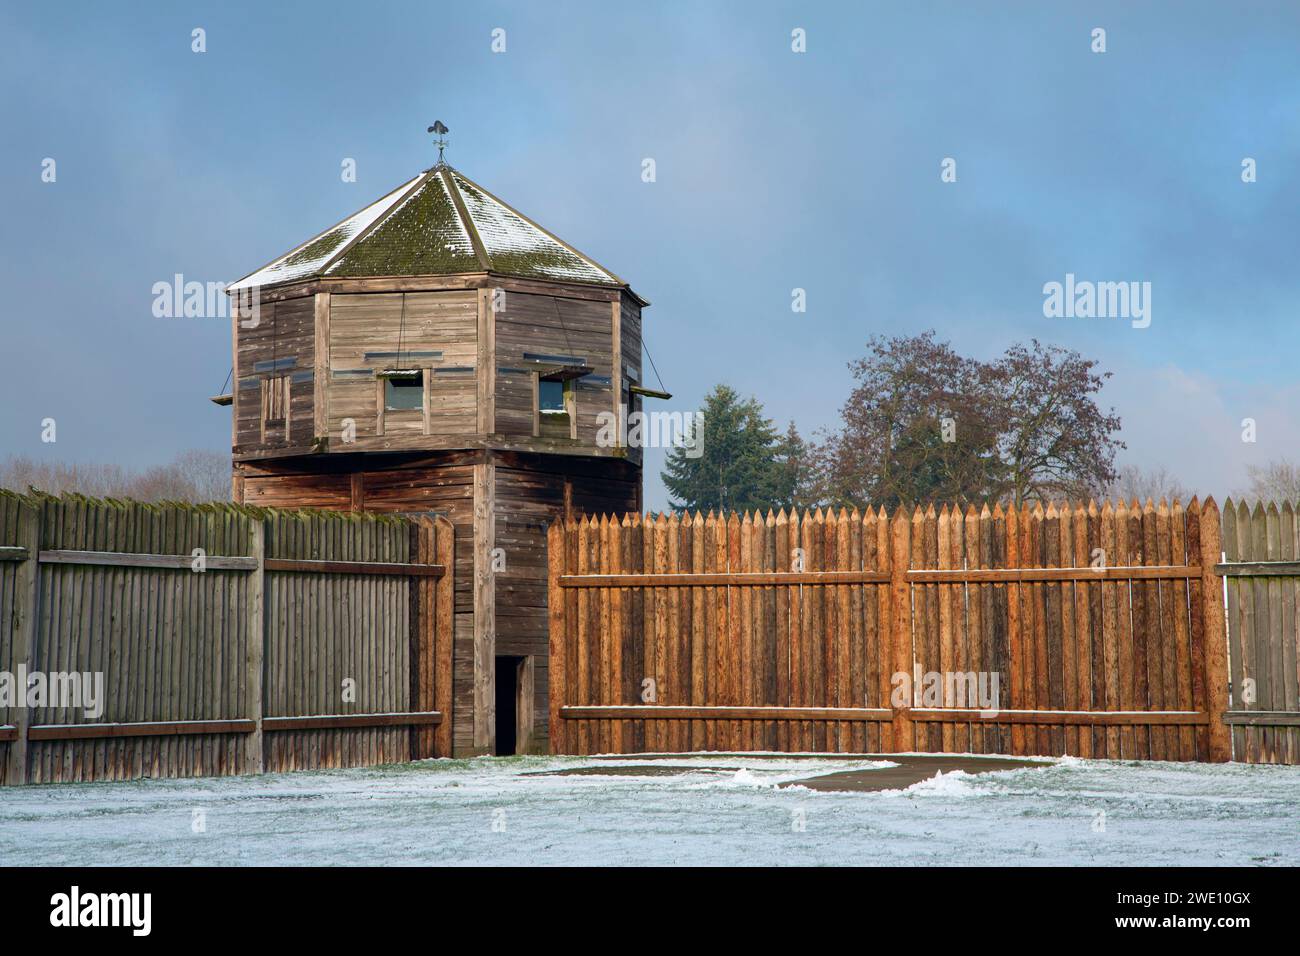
436,318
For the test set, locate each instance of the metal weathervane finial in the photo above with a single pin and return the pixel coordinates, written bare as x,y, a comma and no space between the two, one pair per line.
441,141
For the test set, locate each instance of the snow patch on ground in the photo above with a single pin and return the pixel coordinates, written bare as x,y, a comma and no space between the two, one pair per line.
955,783
721,810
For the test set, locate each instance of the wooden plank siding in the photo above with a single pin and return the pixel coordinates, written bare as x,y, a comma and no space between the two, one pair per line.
530,325
803,632
281,344
470,334
433,331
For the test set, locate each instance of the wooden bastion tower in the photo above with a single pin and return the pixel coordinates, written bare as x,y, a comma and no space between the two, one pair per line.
439,352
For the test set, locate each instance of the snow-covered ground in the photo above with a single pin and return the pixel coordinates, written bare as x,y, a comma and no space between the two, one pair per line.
723,810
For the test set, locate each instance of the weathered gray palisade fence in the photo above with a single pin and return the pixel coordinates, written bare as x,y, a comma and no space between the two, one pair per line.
307,640
1262,584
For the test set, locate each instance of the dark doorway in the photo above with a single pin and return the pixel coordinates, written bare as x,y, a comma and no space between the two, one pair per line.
507,681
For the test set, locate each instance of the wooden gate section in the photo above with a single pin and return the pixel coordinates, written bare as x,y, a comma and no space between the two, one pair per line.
848,632
1262,581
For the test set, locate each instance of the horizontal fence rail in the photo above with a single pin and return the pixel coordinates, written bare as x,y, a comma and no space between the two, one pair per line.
335,721
749,579
94,731
185,562
1259,569
113,559
1262,718
356,567
661,712
686,579
155,728
819,632
1104,718
219,639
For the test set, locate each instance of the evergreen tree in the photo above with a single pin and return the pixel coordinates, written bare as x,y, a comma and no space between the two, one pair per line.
734,463
791,472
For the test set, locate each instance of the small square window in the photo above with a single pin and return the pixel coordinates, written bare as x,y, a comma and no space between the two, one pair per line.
404,393
550,397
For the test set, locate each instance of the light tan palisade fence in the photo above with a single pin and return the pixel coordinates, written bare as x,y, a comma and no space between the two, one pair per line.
307,639
1262,583
790,632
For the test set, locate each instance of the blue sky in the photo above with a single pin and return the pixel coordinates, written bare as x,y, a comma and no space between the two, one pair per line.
775,170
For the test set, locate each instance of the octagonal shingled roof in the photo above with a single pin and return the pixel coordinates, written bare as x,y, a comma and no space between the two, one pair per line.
439,223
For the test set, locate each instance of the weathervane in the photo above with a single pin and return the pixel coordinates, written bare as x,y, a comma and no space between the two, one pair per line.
441,141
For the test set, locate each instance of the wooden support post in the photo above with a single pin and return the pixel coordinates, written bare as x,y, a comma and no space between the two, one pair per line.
443,634
419,630
321,366
235,315
484,609
254,761
485,399
900,622
421,635
26,627
536,381
616,370
555,614
1216,637
526,707
426,401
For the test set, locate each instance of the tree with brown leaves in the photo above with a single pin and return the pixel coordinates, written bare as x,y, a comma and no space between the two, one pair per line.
924,423
1054,440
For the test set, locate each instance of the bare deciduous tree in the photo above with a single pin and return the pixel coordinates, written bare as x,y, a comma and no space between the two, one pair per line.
1278,481
1132,482
193,476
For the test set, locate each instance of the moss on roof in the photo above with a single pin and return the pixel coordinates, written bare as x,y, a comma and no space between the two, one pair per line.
423,235
515,246
443,224
319,248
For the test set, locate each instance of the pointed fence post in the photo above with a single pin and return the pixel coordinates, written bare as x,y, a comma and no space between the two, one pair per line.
444,635
427,639
254,760
555,612
25,624
1216,638
900,623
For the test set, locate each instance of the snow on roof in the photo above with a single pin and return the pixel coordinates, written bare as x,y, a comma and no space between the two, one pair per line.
439,223
308,259
517,246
